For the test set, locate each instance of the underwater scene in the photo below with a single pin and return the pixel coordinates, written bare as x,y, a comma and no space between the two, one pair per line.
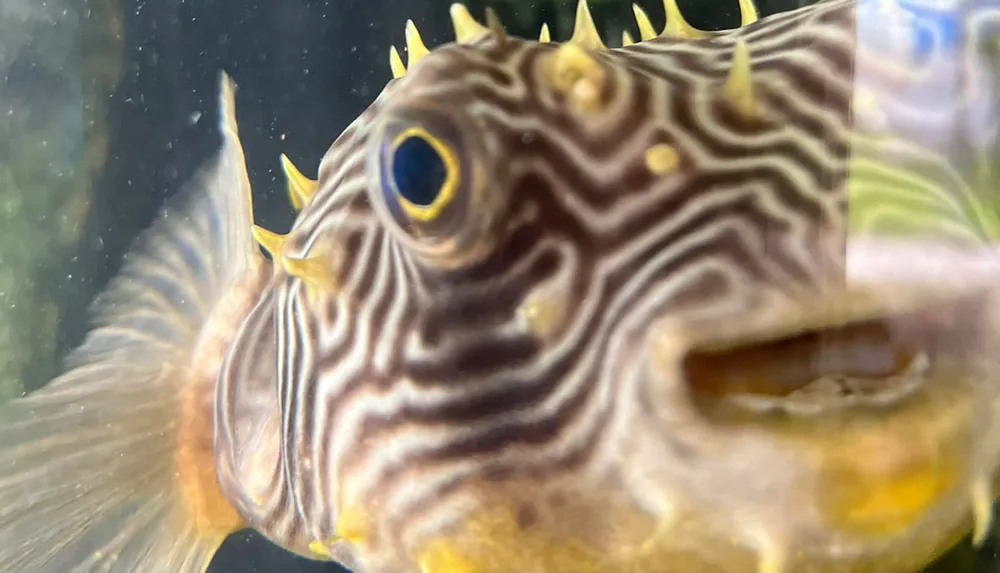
414,286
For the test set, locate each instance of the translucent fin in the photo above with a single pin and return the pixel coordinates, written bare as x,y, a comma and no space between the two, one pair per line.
109,467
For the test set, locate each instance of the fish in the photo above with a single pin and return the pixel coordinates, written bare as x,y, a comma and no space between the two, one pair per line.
547,306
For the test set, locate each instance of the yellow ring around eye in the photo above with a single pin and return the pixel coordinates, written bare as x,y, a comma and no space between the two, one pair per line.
448,188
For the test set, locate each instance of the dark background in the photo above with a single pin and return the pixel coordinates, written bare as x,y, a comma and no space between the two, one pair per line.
305,69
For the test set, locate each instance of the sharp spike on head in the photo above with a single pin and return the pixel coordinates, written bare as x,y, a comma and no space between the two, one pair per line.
495,25
466,27
316,271
677,26
415,47
646,30
748,12
396,63
300,188
585,33
738,89
627,39
574,73
982,511
544,37
273,243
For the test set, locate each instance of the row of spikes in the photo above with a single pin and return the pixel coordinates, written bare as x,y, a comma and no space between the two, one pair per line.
585,34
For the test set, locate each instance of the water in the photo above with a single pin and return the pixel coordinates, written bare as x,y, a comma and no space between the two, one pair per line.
128,93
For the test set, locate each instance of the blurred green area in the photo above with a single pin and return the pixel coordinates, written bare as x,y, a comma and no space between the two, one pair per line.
899,185
902,189
59,60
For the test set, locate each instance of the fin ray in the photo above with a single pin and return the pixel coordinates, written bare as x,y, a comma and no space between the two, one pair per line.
94,474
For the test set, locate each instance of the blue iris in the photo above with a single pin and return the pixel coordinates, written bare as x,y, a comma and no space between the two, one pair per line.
418,171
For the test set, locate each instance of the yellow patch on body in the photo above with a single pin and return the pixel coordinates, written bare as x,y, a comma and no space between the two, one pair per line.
207,508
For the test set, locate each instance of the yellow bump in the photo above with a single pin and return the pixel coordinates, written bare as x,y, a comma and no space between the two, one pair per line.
661,158
627,39
396,63
466,27
543,313
300,188
577,75
439,557
738,89
982,511
273,243
316,271
585,33
748,12
319,548
646,30
677,26
415,48
353,526
544,37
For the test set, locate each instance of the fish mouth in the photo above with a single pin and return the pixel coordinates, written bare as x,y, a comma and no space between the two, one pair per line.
878,397
862,425
867,348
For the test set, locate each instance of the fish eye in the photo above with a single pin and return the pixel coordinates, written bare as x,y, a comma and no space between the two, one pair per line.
434,184
424,173
427,183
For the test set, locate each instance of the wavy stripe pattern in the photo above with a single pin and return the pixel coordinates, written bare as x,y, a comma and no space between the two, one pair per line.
409,382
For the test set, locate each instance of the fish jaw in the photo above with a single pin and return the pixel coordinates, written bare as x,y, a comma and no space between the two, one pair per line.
886,484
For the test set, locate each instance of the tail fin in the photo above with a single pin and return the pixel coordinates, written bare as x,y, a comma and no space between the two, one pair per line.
97,471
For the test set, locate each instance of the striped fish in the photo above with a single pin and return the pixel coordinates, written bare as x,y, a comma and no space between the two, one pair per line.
548,307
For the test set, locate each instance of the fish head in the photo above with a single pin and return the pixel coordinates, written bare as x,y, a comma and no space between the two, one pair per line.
576,308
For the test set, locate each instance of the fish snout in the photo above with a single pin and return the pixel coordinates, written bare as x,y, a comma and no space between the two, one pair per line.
859,427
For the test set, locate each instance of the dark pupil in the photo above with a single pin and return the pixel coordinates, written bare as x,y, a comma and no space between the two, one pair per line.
418,171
